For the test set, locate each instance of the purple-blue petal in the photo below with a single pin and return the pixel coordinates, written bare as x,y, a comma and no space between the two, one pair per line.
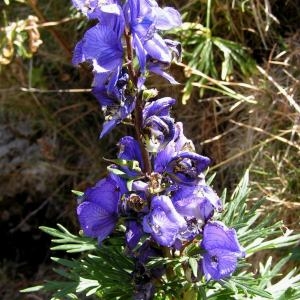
98,213
222,250
157,49
130,149
181,142
164,157
163,222
217,235
159,107
157,69
133,234
219,264
167,18
78,56
95,221
103,45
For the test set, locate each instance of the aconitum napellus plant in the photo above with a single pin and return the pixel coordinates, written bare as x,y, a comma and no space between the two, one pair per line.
155,187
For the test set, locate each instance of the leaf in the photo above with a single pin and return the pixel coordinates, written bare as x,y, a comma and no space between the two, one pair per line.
194,266
32,289
86,284
77,193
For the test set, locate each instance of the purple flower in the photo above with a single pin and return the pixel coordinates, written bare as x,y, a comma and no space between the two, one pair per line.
115,102
102,46
145,18
222,251
197,201
134,232
163,222
158,125
98,213
184,167
129,149
181,142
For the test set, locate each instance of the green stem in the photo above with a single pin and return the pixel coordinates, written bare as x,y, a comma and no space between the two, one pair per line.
208,13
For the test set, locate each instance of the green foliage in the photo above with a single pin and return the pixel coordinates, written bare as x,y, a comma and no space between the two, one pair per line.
69,242
106,271
205,50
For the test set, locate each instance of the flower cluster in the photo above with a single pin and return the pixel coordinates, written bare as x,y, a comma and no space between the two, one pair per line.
156,186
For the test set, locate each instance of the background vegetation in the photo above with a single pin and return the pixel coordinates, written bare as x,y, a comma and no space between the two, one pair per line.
238,99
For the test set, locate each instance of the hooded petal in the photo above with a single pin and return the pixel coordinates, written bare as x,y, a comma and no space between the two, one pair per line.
157,49
164,157
129,149
159,107
163,222
197,201
95,221
167,18
102,44
217,235
98,213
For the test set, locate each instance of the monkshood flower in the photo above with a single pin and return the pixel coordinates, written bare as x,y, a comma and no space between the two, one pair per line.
116,103
183,167
159,128
163,222
98,213
102,45
197,201
129,149
222,250
145,18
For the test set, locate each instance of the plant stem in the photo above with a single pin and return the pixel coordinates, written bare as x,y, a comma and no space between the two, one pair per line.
129,57
138,125
208,14
138,111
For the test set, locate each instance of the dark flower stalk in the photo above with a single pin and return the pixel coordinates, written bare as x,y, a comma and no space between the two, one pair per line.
129,57
138,111
138,123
